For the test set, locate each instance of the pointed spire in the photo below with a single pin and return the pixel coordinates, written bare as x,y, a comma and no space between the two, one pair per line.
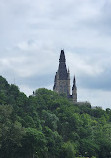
68,70
62,70
74,91
74,83
74,80
62,56
68,74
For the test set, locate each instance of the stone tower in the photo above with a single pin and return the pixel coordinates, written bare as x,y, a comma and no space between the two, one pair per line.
62,77
62,80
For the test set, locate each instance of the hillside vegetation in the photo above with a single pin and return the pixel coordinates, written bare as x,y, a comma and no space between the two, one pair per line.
47,125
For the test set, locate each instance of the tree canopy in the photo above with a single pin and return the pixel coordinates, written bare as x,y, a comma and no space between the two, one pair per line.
47,125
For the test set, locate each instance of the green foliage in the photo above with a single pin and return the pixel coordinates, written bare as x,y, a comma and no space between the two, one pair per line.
46,125
69,150
54,142
50,119
11,133
33,143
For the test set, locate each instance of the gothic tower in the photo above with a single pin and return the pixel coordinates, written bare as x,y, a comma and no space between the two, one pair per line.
62,80
62,77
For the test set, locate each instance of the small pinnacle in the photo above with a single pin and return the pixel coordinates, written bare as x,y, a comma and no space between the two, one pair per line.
68,70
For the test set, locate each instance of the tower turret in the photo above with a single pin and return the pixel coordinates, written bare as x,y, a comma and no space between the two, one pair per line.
74,91
68,78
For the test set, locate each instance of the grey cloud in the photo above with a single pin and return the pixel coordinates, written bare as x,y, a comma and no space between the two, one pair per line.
34,32
102,82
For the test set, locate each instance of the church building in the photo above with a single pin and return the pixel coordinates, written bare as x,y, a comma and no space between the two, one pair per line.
62,80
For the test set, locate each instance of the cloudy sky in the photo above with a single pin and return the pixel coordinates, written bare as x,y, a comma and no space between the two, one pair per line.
32,33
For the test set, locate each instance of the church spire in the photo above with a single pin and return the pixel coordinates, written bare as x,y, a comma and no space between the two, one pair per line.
74,90
62,79
74,83
62,57
62,70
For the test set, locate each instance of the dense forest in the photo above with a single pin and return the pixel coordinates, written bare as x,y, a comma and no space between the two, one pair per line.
46,125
